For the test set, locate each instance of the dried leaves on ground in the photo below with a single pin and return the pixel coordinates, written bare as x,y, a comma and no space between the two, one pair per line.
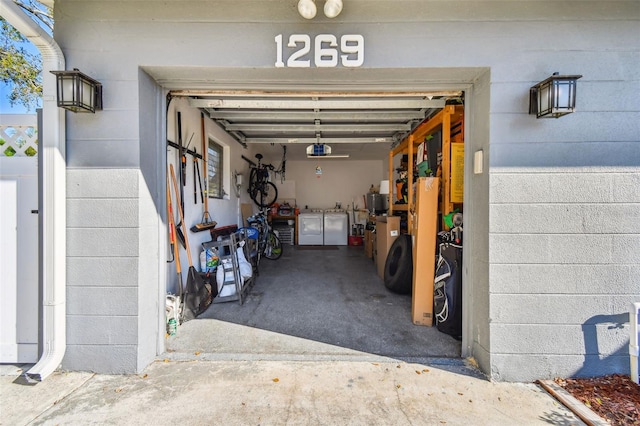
615,398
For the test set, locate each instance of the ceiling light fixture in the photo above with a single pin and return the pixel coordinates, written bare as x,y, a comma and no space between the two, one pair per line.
307,8
332,8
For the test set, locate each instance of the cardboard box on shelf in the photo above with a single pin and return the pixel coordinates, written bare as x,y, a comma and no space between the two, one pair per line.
421,154
368,243
387,230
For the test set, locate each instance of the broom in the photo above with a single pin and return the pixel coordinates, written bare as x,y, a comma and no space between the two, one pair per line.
176,253
195,293
206,222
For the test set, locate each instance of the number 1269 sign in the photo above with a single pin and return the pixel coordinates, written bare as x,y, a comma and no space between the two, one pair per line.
327,51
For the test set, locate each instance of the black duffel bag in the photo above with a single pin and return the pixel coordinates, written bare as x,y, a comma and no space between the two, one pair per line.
447,298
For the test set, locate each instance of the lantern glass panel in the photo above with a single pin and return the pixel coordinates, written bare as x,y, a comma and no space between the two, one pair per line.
545,98
87,95
565,95
65,89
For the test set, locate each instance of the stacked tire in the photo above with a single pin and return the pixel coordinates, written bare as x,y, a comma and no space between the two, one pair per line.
398,269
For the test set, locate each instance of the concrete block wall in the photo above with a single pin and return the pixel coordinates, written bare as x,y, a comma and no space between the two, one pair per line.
102,270
564,256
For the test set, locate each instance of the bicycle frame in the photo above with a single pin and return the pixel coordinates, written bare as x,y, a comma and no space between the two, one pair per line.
260,222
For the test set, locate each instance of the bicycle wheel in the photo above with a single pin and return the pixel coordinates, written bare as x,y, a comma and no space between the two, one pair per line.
265,195
253,178
253,194
273,250
253,181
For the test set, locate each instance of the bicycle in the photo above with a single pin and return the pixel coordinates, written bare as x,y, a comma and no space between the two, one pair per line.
263,192
269,245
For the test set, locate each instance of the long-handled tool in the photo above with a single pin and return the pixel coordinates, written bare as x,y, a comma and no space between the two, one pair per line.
182,159
197,167
196,293
206,222
195,188
172,231
176,252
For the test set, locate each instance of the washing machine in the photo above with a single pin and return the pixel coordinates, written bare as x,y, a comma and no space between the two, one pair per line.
336,227
311,228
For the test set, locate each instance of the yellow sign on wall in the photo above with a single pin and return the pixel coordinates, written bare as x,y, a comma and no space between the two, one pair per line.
457,172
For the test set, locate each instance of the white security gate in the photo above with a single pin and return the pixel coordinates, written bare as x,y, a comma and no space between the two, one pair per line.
19,262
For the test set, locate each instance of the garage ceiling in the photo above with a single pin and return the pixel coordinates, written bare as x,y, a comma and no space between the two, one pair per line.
205,86
360,125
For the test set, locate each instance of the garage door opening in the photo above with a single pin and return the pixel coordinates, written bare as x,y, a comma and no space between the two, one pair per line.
319,297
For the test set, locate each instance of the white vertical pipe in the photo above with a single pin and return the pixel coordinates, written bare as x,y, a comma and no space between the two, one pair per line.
53,209
633,340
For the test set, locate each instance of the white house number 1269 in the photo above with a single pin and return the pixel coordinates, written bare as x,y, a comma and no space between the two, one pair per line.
327,52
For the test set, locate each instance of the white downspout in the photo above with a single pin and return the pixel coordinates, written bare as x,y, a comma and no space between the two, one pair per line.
53,209
633,339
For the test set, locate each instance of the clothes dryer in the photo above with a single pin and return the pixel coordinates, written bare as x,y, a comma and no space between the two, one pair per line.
336,227
311,228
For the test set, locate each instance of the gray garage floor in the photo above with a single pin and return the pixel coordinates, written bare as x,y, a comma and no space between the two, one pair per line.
330,295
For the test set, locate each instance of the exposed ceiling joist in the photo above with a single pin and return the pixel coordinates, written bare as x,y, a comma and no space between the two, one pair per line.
297,128
358,116
208,94
311,140
317,104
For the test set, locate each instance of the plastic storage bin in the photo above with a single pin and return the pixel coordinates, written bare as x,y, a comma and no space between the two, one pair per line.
285,233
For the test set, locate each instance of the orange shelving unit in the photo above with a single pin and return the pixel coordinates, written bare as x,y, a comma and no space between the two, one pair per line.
449,120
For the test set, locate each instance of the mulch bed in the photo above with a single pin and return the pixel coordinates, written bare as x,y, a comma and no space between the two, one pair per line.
615,398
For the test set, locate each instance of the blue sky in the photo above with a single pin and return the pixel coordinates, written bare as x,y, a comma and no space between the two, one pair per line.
5,106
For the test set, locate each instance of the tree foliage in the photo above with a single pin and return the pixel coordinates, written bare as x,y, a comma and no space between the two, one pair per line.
20,69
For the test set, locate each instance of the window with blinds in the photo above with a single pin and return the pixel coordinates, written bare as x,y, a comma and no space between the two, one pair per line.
214,170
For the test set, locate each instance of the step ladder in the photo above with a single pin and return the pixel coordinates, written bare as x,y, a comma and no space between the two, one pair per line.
233,288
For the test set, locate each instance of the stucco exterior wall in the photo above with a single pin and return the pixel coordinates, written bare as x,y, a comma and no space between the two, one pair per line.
552,236
475,253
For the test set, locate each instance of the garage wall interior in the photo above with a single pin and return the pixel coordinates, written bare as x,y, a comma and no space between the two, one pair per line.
552,240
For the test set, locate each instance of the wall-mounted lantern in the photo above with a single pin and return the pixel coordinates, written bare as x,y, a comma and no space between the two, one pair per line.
553,97
78,92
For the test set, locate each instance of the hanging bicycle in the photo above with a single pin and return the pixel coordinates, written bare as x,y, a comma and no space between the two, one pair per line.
263,192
